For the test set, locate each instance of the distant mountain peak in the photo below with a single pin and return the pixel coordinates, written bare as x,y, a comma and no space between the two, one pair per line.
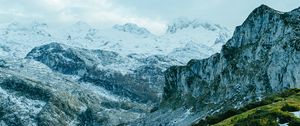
36,24
132,28
13,26
81,23
81,26
26,26
184,23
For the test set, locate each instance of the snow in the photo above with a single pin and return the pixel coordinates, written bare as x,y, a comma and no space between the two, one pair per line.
20,105
132,28
123,39
297,113
135,47
101,92
285,124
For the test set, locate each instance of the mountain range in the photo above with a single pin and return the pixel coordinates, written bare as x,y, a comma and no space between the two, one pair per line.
125,75
80,75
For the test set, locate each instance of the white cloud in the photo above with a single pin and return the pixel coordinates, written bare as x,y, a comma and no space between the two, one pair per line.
95,12
152,14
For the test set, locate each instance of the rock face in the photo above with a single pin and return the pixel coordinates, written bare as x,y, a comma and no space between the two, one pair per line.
31,94
262,57
93,66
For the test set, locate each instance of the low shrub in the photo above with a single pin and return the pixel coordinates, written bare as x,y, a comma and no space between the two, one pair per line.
290,108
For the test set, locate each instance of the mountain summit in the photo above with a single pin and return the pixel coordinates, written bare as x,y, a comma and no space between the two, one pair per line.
262,58
185,23
132,28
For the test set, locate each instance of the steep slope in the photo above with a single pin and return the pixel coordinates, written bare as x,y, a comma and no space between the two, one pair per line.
261,58
138,79
31,94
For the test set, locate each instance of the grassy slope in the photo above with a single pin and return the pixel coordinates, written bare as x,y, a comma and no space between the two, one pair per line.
269,112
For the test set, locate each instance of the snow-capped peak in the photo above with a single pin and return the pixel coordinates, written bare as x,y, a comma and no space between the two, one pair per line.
81,24
38,25
132,28
16,26
184,23
124,39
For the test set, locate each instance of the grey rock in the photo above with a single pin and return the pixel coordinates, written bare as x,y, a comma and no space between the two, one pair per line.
32,95
261,58
143,84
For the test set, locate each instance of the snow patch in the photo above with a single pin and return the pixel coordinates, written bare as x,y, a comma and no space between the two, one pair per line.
101,92
297,114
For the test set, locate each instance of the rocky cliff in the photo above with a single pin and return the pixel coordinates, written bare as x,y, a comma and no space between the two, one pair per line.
261,58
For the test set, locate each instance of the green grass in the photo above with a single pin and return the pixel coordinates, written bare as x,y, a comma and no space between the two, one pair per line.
267,112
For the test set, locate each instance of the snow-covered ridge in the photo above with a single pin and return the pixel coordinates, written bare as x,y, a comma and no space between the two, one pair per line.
132,28
143,56
116,74
184,23
124,39
201,32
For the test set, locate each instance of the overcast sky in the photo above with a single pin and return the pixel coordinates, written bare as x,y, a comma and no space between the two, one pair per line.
152,14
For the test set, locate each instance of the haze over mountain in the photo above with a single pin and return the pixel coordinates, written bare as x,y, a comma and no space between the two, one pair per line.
155,15
125,74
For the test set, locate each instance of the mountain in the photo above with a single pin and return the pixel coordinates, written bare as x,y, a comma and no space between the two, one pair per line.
215,35
261,59
132,28
18,39
31,94
140,50
138,79
82,75
124,39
